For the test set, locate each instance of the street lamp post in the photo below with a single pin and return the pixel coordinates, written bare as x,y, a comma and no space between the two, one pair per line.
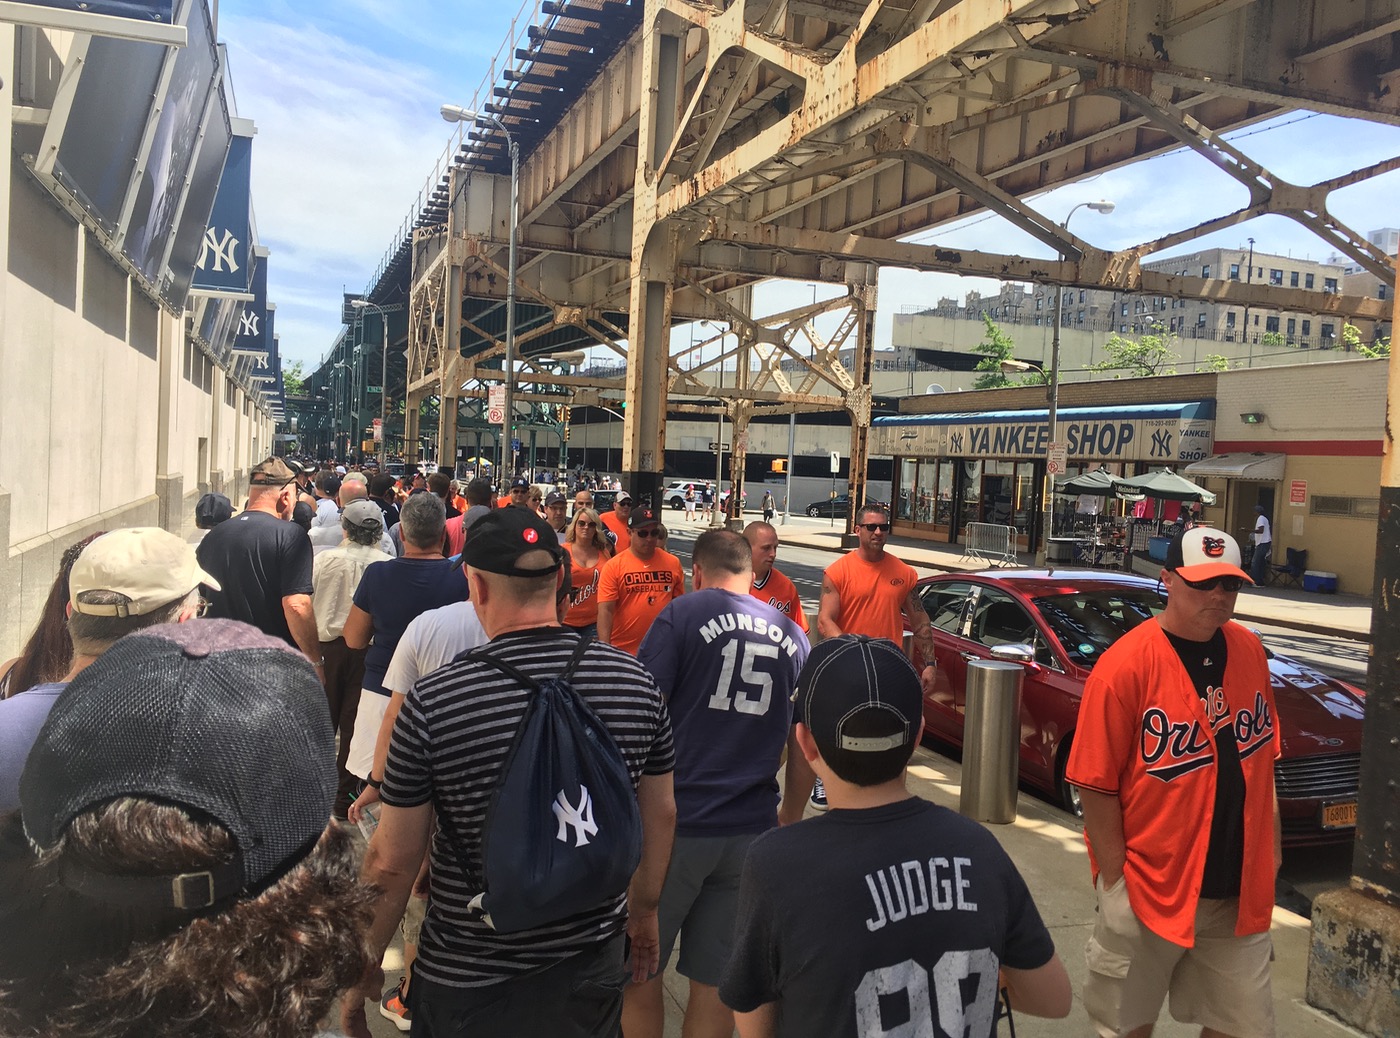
365,304
458,114
1048,498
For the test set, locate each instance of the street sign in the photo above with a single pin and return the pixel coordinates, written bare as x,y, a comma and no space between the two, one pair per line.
718,446
835,463
374,389
378,430
1058,459
496,404
515,444
1298,492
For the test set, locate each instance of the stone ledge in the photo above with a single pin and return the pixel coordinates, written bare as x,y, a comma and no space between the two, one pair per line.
1354,961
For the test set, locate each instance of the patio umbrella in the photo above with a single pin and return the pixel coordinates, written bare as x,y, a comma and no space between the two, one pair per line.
1096,484
1167,485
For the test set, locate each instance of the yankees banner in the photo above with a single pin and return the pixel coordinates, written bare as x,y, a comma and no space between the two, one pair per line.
225,260
253,336
152,21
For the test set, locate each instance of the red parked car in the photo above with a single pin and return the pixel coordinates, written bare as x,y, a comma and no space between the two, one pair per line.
1063,623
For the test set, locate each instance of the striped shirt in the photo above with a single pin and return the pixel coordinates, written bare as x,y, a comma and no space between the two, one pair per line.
449,748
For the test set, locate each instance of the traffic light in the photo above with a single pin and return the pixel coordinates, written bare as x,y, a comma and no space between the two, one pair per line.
567,410
779,466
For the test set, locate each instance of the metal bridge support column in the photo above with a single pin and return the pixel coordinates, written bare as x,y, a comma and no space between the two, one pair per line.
858,399
410,432
1354,961
644,431
447,431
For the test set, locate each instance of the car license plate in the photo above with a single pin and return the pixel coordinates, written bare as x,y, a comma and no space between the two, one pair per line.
1341,815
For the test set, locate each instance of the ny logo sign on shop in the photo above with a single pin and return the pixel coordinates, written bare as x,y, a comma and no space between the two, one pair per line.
579,818
224,251
248,324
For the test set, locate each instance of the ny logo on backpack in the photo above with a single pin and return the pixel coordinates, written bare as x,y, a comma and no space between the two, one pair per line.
563,833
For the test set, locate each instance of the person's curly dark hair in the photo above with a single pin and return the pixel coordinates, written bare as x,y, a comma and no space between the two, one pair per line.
269,965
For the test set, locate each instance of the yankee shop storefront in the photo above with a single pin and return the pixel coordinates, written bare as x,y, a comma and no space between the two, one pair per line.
961,467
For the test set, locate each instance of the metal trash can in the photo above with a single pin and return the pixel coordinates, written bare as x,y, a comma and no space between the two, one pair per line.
991,738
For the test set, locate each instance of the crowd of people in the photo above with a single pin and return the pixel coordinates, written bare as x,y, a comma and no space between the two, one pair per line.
195,730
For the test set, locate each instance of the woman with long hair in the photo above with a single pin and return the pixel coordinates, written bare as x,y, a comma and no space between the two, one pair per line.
49,652
588,549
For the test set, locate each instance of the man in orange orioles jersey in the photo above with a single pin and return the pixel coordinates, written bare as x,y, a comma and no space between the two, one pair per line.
769,585
636,584
1177,741
869,591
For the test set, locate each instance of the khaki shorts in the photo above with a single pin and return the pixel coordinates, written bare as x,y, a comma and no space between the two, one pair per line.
1222,982
413,915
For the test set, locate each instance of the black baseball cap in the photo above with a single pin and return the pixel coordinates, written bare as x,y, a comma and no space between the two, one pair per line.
212,510
643,517
498,541
212,716
859,696
520,483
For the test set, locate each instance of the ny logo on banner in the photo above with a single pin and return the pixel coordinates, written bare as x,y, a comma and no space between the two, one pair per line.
579,818
248,324
223,251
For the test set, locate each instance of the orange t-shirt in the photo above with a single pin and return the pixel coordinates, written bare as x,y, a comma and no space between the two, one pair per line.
641,590
1144,736
617,525
584,611
780,593
872,595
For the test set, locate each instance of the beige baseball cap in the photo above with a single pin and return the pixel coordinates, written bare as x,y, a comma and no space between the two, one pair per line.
148,565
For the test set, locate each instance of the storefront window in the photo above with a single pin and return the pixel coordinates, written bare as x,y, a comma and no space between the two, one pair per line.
972,493
903,505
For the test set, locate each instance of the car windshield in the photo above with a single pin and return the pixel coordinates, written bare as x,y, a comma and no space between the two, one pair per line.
1088,622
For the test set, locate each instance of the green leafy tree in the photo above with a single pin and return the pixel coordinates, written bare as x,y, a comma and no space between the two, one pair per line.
1152,354
1272,339
996,347
294,378
1351,340
1215,362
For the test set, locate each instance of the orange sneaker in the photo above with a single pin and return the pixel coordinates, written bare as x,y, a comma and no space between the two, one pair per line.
392,1007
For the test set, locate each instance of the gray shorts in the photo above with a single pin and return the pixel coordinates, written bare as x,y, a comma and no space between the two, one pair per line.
699,903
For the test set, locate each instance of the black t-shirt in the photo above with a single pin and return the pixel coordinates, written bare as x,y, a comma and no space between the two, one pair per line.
258,559
1205,663
391,511
905,924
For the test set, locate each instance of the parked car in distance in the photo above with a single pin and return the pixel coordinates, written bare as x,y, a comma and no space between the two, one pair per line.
673,496
837,506
1058,625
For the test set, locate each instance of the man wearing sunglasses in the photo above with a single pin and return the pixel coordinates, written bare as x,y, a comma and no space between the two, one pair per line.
637,583
1174,759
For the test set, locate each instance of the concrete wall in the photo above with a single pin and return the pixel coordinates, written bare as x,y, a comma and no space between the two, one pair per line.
104,401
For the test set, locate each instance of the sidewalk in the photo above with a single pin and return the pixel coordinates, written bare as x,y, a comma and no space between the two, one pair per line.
1340,616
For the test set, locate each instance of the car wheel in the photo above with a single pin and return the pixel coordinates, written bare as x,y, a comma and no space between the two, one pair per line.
675,504
1067,792
814,512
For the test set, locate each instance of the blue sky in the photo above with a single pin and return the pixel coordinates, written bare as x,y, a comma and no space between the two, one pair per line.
345,96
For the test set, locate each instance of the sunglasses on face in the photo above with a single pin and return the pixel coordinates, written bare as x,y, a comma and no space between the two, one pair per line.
876,527
650,531
1210,584
584,523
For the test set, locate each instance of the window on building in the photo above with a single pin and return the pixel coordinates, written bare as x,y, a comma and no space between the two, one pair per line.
1137,306
1328,332
1079,318
1307,327
1348,507
1125,310
1038,301
1234,271
1201,319
1329,285
1292,279
1122,329
1256,320
1037,320
1292,327
1205,271
1275,276
1307,281
1380,291
1271,324
1229,318
1081,295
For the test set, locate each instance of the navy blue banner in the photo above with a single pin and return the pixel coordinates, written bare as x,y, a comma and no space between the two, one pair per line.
159,12
253,337
225,266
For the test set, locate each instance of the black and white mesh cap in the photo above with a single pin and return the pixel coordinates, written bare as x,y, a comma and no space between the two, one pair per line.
212,716
859,695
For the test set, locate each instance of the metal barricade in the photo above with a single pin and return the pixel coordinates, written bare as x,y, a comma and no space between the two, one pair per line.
990,542
991,740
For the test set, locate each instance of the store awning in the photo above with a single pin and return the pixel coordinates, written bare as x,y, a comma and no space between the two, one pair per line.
1265,468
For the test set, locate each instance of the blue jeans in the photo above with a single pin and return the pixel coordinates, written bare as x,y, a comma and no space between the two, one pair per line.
1259,564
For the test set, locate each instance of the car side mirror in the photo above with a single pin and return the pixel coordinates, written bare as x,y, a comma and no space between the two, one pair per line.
1016,652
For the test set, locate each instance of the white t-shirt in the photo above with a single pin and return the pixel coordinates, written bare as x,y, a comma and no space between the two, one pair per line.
1262,535
432,640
